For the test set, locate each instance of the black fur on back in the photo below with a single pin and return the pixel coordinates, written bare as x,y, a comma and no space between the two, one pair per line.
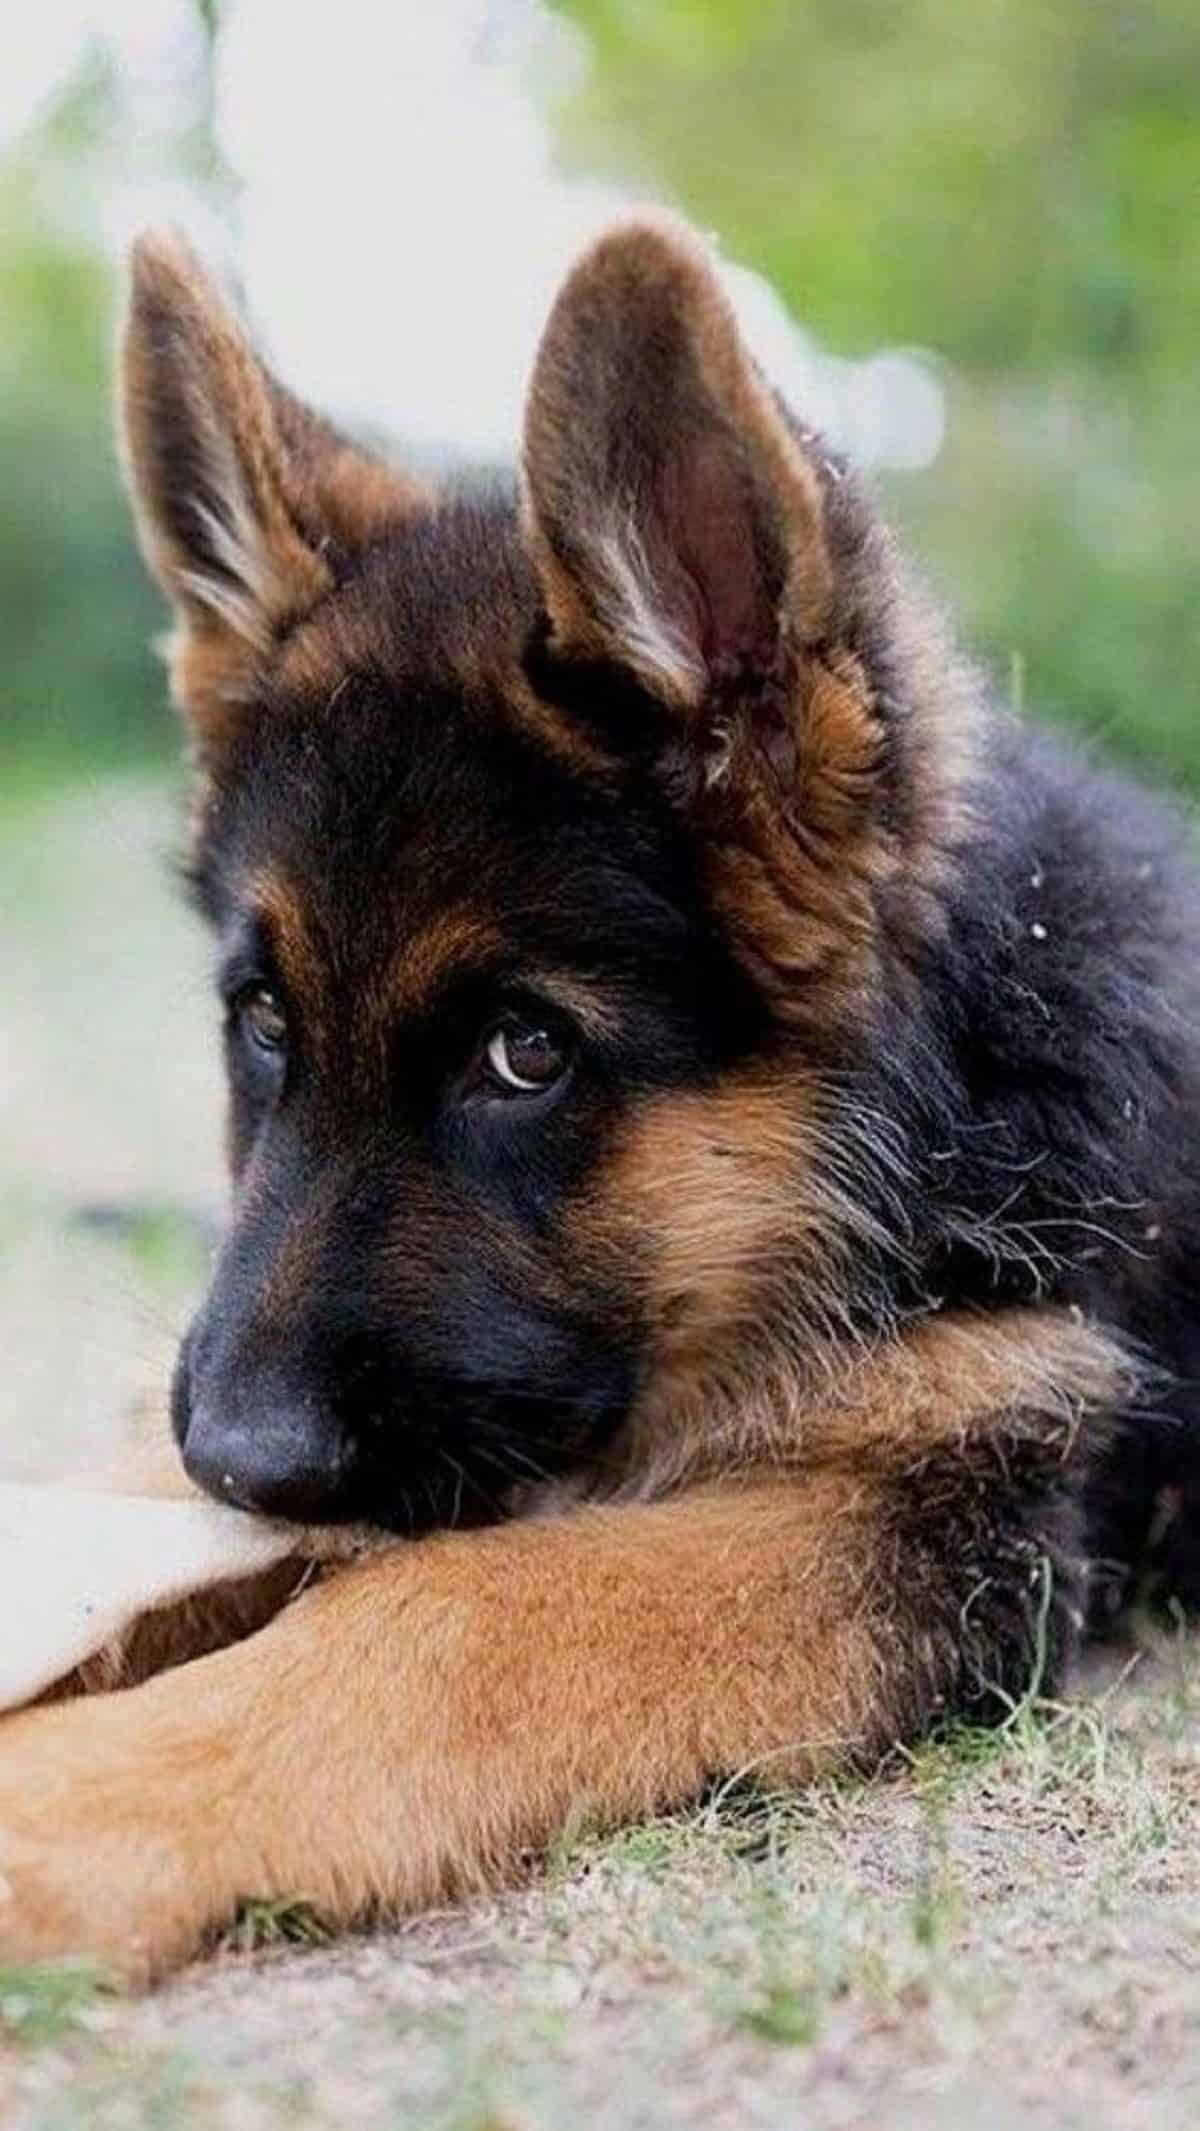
1036,1075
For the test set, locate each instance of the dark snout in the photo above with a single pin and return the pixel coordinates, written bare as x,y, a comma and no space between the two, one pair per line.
267,1444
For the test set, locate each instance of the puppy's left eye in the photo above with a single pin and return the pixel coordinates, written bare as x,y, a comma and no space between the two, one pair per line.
261,1015
525,1058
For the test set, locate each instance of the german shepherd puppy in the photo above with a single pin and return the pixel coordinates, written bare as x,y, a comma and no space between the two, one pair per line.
714,1130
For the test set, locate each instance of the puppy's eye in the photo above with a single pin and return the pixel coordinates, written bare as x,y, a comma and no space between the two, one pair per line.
261,1017
525,1058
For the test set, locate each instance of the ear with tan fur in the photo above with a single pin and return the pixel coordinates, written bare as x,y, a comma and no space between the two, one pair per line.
688,534
675,518
247,505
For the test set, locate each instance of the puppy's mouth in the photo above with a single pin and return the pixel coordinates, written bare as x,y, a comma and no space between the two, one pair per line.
455,1459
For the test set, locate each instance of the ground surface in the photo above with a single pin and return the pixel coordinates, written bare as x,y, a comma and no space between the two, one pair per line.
1002,1933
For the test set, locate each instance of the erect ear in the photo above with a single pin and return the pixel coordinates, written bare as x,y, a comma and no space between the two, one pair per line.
247,504
686,531
676,520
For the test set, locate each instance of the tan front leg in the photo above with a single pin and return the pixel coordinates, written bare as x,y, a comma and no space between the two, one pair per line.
415,1725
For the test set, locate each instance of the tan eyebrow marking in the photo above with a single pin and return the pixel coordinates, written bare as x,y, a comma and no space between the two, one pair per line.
596,1015
282,911
464,937
452,941
456,940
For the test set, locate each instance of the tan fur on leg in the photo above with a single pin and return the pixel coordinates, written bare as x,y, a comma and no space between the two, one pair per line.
415,1725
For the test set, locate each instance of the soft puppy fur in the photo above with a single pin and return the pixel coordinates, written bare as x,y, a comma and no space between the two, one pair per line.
713,1112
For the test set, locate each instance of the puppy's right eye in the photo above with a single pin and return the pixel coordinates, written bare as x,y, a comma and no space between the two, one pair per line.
523,1058
261,1018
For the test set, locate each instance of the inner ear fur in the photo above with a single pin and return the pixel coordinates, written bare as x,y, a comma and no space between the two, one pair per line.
246,502
675,519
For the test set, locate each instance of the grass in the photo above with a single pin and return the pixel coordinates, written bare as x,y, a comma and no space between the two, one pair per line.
47,2002
266,1926
1003,1928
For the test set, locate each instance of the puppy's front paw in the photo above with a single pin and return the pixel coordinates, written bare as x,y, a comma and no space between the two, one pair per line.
96,1856
118,1899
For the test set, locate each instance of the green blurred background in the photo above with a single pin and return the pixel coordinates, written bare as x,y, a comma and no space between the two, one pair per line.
1011,184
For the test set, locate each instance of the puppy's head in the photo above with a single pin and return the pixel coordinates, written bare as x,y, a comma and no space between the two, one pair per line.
552,844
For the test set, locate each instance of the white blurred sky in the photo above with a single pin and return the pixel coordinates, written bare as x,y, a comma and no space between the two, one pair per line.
400,222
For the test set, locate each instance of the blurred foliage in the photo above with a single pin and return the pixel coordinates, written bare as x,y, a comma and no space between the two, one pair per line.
1012,184
78,677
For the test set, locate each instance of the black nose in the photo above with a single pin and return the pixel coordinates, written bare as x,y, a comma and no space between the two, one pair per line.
283,1459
